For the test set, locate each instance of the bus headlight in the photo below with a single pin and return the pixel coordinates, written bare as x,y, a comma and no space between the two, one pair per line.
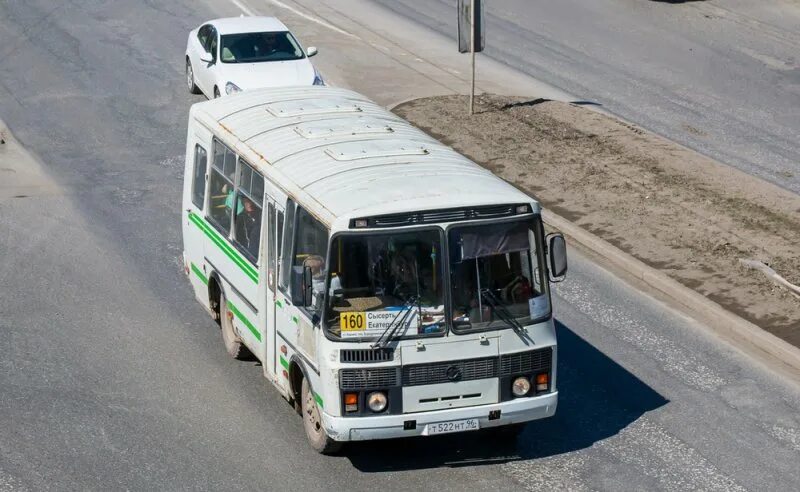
376,401
521,386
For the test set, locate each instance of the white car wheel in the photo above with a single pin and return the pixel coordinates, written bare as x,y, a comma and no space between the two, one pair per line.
193,89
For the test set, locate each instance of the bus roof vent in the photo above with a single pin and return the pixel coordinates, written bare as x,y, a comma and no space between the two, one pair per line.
342,128
304,107
350,151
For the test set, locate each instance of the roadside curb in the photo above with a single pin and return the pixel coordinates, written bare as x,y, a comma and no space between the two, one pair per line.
768,348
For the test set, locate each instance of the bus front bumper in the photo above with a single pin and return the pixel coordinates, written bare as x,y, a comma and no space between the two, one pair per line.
391,426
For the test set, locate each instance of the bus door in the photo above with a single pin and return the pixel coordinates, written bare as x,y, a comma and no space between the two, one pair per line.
194,204
275,203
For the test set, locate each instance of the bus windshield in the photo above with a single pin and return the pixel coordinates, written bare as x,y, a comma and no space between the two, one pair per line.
497,275
375,278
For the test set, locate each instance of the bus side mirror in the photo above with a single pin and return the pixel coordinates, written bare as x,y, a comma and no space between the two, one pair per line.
307,286
556,257
301,290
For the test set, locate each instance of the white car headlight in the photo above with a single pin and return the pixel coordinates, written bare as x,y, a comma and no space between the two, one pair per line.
231,88
318,78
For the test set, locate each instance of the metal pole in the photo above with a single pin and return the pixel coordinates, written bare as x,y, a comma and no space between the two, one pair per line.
472,54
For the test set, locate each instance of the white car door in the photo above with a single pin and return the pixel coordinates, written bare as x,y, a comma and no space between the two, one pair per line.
206,70
195,48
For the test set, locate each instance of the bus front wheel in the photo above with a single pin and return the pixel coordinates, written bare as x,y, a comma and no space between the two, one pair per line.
312,422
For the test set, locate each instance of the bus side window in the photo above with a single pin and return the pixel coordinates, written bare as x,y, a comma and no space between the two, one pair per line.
278,241
271,246
249,203
220,181
199,178
311,249
286,242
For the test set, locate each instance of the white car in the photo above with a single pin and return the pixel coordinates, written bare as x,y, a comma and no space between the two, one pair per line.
229,55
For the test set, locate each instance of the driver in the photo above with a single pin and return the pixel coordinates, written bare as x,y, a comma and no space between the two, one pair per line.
269,44
402,271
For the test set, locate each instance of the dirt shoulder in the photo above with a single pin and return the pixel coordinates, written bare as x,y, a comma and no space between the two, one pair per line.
680,212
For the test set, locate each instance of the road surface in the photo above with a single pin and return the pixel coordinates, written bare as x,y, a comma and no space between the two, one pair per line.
113,377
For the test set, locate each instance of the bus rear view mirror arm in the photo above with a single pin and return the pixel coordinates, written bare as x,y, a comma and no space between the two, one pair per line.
556,256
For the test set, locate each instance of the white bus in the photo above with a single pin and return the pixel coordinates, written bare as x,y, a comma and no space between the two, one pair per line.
389,286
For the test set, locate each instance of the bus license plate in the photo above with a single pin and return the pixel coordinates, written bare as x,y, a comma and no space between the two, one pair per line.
452,426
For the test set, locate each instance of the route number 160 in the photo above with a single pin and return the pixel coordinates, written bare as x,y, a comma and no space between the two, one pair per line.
353,321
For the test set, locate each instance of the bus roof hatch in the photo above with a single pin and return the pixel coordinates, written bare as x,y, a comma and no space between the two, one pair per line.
307,107
342,128
350,151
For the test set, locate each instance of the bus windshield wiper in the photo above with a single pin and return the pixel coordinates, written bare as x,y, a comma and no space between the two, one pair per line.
488,296
399,320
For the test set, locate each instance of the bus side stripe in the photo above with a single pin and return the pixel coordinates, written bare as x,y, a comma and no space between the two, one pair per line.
244,320
199,274
221,244
284,363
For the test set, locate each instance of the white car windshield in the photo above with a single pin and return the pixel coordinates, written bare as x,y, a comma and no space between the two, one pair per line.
255,47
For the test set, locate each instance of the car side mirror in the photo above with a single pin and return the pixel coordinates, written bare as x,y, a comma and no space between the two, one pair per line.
206,57
311,51
557,256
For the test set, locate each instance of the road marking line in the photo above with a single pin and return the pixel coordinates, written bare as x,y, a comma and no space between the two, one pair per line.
312,18
244,8
247,10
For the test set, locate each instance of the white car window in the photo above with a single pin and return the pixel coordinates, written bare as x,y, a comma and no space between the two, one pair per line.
255,47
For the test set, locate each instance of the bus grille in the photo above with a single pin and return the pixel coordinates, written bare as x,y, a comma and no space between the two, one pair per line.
366,355
450,371
526,362
384,377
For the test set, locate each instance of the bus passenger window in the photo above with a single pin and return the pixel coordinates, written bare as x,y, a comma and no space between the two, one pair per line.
250,196
248,226
220,181
199,177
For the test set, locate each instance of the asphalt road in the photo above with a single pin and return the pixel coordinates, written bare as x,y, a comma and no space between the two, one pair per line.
721,77
113,377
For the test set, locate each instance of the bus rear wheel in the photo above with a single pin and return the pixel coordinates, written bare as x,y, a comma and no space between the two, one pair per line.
312,423
233,344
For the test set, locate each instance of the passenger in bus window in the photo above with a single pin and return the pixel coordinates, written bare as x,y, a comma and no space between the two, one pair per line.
248,225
